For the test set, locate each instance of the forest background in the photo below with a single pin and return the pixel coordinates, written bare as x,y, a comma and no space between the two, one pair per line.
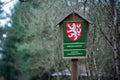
32,47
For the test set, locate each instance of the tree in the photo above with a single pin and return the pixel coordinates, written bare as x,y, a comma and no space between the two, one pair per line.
109,9
115,36
35,38
7,70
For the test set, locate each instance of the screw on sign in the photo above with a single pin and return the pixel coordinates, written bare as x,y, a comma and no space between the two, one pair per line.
74,30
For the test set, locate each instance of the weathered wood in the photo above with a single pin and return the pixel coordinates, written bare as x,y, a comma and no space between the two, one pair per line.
68,16
74,69
75,16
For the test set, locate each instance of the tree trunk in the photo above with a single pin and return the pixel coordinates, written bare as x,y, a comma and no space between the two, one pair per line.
115,37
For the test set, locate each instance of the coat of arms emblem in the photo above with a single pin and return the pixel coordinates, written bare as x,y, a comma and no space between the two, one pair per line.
74,30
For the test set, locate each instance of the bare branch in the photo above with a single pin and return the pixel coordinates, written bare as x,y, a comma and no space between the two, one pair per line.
105,37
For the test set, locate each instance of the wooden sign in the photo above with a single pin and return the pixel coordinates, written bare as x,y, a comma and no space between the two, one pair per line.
74,30
73,34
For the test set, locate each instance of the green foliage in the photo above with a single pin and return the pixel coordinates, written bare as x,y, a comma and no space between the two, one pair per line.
9,51
31,45
33,48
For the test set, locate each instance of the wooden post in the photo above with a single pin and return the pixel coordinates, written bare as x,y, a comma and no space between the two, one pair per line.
74,69
74,47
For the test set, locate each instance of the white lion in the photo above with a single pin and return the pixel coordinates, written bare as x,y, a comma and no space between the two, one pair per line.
75,30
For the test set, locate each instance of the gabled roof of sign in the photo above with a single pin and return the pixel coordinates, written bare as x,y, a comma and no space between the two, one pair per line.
73,12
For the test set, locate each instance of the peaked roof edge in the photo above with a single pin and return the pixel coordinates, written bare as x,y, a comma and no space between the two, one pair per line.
73,11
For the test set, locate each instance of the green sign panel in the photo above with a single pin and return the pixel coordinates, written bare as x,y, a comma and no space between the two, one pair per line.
74,39
74,46
74,53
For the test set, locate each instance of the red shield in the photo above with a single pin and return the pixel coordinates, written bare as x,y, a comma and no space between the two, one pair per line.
74,30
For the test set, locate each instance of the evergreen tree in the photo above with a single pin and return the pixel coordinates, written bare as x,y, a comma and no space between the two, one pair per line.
30,46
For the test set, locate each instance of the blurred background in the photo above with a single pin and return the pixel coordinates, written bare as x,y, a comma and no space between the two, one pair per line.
30,46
